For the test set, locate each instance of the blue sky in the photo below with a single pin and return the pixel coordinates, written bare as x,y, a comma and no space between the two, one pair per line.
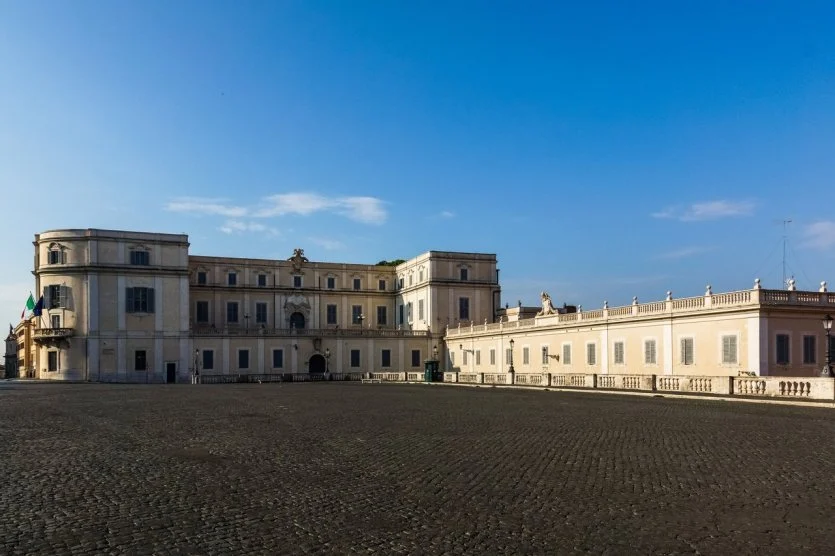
600,150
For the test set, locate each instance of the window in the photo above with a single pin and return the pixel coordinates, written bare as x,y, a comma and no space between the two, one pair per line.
140,361
415,358
420,309
478,357
356,314
409,311
729,350
262,280
232,312
492,356
331,282
687,351
278,358
201,278
297,281
420,276
464,308
52,364
139,300
57,256
464,358
809,355
331,314
783,349
381,285
202,310
243,358
140,258
544,355
53,297
232,279
591,354
400,283
55,321
355,358
261,313
650,355
526,355
381,315
566,354
357,284
386,358
508,356
451,358
208,359
463,274
619,353
400,316
411,279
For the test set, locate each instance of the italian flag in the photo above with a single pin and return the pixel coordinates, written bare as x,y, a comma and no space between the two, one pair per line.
30,305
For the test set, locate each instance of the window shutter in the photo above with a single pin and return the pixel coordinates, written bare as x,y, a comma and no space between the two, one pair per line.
683,351
47,298
66,297
150,300
129,300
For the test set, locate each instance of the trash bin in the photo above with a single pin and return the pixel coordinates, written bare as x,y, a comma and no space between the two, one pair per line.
430,371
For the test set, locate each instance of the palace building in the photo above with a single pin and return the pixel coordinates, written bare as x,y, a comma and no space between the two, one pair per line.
137,307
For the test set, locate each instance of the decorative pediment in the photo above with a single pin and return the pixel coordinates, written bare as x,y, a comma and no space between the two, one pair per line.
139,247
55,246
298,259
297,302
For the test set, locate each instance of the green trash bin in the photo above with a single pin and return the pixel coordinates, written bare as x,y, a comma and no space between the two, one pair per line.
430,371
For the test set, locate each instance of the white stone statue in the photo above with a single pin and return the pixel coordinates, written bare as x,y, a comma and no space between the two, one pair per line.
547,305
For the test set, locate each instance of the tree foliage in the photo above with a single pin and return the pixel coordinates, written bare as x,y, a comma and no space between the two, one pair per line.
391,263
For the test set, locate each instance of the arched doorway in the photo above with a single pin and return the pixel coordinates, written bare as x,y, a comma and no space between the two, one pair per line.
317,364
297,320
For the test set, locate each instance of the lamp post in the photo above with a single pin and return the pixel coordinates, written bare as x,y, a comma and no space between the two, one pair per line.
327,360
511,355
196,365
827,325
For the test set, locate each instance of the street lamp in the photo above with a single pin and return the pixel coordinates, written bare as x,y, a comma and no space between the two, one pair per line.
827,325
196,365
435,352
327,360
511,354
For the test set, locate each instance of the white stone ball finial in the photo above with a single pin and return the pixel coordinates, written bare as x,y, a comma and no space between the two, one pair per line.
823,287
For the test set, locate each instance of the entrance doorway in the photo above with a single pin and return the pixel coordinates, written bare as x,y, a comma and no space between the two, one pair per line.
317,365
171,372
297,320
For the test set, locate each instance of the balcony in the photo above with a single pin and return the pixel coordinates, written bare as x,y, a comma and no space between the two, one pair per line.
312,332
51,335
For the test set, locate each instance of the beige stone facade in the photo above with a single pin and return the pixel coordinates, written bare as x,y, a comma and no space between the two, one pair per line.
136,307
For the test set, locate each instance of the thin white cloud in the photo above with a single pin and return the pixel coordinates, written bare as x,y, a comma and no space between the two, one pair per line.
819,235
684,252
329,244
368,210
447,214
215,207
293,203
708,210
239,227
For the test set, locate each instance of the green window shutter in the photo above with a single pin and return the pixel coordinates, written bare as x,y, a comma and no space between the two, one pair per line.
129,300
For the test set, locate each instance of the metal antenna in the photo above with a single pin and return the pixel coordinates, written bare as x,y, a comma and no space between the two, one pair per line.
785,238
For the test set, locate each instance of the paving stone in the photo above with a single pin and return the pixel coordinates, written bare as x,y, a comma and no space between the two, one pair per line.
340,468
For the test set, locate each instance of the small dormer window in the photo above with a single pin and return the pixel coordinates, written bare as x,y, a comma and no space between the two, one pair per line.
140,257
262,280
420,276
400,283
464,274
357,284
297,281
57,256
381,285
232,279
331,282
201,278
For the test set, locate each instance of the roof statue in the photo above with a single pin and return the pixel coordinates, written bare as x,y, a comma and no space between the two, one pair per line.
547,305
298,258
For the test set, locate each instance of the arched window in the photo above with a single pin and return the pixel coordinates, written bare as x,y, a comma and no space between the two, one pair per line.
297,320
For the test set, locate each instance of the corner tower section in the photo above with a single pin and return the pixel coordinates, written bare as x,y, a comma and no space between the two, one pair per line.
115,306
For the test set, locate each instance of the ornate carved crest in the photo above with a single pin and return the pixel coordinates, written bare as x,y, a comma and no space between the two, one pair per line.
547,305
298,258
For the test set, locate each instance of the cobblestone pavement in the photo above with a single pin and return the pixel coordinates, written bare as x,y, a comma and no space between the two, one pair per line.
392,469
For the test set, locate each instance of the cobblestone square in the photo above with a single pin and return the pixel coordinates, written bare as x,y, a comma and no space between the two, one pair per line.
345,468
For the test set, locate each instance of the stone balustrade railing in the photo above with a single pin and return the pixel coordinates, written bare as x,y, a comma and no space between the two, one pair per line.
320,332
709,301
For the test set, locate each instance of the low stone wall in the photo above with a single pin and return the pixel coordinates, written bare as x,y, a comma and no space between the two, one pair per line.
389,377
811,388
